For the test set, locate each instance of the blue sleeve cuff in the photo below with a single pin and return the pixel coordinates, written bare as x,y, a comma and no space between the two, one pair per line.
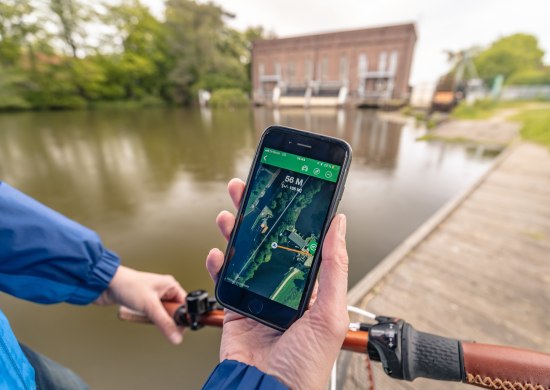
47,258
231,374
100,278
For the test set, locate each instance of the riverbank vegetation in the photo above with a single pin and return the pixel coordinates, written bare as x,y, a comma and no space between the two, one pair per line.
535,125
534,116
229,98
480,109
519,59
70,54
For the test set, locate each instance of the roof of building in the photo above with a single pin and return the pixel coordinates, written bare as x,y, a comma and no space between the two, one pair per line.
409,28
299,241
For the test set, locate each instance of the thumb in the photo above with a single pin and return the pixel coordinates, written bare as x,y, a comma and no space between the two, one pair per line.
333,277
160,317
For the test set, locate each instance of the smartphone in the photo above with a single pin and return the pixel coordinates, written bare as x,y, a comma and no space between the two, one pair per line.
295,184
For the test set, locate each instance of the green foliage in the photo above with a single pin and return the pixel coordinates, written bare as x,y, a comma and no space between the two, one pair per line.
531,77
509,55
205,52
49,61
17,30
91,77
536,125
11,81
141,66
480,109
71,15
229,98
291,293
431,123
407,111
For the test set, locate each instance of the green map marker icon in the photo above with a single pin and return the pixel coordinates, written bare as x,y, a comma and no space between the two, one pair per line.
312,247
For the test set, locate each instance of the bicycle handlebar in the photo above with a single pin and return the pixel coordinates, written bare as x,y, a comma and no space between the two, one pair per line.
356,341
498,367
404,352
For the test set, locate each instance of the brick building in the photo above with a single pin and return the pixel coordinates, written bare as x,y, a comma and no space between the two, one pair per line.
368,66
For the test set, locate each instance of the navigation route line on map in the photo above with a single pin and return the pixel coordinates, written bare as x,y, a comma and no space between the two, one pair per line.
290,249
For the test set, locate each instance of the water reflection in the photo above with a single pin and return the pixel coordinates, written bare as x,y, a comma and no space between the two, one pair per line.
151,183
113,161
374,141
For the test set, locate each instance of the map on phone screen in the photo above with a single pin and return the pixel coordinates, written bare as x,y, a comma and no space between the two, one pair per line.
282,221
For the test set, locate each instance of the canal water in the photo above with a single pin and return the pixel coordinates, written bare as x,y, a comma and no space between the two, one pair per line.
151,182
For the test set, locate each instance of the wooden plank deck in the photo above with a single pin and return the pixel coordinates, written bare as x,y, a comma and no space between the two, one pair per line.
482,274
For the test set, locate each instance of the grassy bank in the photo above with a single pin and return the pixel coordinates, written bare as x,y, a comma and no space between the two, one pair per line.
535,125
534,116
482,109
485,108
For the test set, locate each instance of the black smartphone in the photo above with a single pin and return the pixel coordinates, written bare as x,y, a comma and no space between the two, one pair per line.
295,184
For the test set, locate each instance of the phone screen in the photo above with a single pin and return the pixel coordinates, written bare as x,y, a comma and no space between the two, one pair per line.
282,220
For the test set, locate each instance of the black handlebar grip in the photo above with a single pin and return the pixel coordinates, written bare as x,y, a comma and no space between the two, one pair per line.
429,356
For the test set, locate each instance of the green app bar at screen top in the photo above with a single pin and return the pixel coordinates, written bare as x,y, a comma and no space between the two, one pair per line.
300,164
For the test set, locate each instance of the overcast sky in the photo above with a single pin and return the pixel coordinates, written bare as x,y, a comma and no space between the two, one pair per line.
441,24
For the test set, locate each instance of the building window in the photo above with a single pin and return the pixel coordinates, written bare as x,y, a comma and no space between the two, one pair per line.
363,64
323,71
290,71
261,69
393,61
277,67
382,62
308,70
343,68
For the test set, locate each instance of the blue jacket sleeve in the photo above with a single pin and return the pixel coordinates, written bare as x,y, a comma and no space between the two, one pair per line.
232,375
48,258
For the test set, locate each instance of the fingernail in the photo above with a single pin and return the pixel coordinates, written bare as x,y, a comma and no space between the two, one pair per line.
213,251
176,337
342,226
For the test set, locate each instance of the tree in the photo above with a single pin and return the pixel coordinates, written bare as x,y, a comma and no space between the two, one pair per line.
193,34
71,16
206,53
508,55
20,31
539,76
49,60
11,36
11,86
140,64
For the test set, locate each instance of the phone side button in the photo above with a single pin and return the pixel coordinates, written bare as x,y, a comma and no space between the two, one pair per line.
255,306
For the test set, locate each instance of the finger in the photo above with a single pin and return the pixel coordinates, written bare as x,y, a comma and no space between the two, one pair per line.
156,312
214,262
174,293
314,294
225,221
235,187
333,276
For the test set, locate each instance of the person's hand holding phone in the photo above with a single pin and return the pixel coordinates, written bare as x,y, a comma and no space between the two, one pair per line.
301,357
